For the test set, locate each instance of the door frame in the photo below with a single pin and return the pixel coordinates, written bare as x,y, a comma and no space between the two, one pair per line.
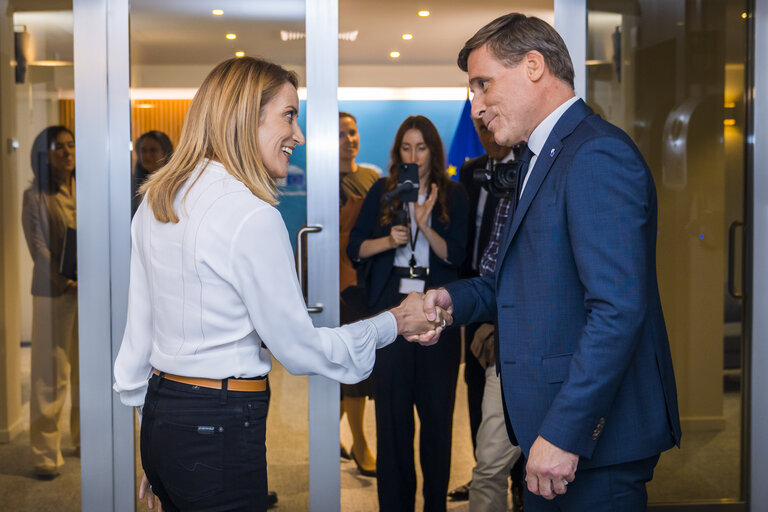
102,121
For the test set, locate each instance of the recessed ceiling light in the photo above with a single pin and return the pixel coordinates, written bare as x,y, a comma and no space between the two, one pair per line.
407,37
423,14
239,54
218,12
394,55
146,105
231,36
744,15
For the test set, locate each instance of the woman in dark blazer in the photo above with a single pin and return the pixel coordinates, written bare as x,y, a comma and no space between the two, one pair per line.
402,260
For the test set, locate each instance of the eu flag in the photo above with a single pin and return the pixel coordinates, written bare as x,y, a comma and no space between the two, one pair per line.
465,143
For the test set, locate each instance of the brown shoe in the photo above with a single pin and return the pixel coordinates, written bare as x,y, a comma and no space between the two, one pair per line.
517,495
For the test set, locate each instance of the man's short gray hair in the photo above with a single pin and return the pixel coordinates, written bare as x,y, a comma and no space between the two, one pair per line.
513,35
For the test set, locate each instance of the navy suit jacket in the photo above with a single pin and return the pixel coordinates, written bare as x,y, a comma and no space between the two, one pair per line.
584,355
368,226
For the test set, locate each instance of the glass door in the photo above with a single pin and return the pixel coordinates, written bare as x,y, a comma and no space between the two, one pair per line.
672,74
39,363
173,46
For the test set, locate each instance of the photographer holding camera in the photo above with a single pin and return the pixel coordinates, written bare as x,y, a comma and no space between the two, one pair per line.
413,238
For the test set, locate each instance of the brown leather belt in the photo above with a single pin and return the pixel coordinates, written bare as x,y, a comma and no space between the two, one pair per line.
232,384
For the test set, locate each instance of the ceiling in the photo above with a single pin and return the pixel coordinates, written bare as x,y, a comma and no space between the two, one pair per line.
184,32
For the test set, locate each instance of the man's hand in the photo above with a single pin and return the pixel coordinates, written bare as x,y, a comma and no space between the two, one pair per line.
146,490
436,303
412,322
549,469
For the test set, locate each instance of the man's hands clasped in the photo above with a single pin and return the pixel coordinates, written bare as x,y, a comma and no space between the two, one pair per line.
420,319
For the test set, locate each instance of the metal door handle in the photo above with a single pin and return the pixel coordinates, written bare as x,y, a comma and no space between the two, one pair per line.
731,256
300,250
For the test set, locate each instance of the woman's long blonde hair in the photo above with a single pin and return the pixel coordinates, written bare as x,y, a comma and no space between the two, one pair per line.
223,125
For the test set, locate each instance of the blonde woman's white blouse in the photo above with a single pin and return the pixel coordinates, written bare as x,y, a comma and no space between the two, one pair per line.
212,295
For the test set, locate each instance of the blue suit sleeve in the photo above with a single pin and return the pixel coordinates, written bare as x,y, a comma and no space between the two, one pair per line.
474,300
609,194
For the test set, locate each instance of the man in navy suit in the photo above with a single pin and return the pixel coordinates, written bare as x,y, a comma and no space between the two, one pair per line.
586,369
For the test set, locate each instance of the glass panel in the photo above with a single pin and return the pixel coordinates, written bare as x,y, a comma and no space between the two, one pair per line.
381,90
39,412
174,45
672,74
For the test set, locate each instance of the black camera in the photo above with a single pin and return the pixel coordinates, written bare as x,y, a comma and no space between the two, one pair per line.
407,191
501,180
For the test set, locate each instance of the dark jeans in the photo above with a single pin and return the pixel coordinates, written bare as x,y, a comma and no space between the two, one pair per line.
618,488
203,449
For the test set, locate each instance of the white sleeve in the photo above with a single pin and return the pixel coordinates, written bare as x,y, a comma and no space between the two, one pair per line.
264,275
132,368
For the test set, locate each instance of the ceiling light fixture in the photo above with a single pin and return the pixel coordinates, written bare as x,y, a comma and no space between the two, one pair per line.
394,55
407,37
287,35
231,37
744,15
218,12
423,14
239,54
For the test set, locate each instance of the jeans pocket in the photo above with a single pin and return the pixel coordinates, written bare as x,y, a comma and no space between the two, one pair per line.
191,457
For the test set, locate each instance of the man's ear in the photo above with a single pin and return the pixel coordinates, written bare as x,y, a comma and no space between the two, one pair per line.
534,65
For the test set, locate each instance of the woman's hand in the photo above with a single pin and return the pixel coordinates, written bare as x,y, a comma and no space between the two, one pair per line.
398,236
146,490
422,212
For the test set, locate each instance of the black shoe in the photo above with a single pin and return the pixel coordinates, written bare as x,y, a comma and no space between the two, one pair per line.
517,495
271,499
343,453
361,469
461,493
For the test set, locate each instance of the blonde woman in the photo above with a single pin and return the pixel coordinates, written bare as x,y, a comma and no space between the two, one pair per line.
213,291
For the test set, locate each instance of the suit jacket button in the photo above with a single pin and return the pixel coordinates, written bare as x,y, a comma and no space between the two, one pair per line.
594,436
601,422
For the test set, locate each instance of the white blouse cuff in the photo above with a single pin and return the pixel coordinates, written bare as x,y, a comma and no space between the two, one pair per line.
386,328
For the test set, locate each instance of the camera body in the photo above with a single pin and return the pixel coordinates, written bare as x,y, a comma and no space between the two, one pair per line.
407,191
501,180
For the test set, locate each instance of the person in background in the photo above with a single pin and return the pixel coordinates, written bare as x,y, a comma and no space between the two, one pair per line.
354,183
153,150
488,214
425,252
48,211
206,313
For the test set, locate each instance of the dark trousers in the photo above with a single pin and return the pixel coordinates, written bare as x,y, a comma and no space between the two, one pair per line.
408,374
618,488
204,449
474,376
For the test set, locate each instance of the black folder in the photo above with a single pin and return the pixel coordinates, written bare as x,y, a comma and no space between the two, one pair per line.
68,261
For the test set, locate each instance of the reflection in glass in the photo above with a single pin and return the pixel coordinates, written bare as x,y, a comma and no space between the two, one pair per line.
671,74
39,409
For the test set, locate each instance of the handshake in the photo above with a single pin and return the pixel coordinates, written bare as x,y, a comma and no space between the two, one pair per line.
422,317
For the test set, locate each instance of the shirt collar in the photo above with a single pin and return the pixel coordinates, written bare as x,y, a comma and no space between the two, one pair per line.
541,133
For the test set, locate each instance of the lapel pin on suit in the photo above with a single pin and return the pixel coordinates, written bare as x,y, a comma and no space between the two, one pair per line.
552,153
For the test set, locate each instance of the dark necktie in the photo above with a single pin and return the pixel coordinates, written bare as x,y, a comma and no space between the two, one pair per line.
525,162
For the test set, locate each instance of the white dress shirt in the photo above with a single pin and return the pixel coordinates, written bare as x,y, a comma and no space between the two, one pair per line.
541,133
205,292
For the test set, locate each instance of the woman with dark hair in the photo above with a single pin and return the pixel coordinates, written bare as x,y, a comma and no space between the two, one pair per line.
49,209
153,150
425,252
